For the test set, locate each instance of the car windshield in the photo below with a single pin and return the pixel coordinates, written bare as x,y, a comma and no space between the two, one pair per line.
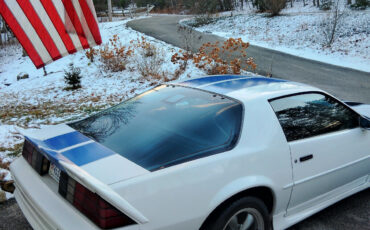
167,125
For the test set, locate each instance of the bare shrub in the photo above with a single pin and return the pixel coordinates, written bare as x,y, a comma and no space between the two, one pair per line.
149,59
326,5
202,20
274,6
217,59
91,53
183,57
331,22
360,4
144,47
114,55
260,5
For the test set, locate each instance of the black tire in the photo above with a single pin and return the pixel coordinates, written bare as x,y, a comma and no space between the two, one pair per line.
238,209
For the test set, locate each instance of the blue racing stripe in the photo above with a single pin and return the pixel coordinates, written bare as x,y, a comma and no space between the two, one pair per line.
87,153
79,155
208,80
53,156
233,85
65,140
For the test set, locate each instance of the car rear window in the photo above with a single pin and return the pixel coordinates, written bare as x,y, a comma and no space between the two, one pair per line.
166,126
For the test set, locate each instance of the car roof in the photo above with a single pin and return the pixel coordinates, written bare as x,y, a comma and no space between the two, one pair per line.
243,87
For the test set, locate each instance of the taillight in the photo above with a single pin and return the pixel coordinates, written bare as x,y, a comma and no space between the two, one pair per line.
27,151
91,205
35,158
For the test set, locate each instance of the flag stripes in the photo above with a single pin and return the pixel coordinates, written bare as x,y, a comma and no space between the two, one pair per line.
30,32
76,23
59,25
20,34
39,27
37,6
51,29
67,21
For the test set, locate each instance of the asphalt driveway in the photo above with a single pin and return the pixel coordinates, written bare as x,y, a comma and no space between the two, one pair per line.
345,83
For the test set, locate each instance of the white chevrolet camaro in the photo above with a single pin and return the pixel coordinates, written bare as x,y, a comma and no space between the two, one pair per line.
213,153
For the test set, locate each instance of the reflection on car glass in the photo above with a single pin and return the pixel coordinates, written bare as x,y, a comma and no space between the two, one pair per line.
166,126
307,115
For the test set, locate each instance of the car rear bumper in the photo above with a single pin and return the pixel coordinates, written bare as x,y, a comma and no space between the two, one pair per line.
43,207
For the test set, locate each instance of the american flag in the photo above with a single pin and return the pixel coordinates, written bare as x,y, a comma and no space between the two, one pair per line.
51,29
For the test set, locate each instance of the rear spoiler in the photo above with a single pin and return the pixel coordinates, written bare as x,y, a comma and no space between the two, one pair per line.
103,190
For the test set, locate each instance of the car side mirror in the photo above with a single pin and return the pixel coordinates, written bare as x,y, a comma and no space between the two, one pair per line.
364,123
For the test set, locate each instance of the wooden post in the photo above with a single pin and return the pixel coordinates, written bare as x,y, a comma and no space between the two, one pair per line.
24,53
45,73
110,10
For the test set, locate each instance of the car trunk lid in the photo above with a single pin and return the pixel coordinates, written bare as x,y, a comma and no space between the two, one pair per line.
66,145
87,162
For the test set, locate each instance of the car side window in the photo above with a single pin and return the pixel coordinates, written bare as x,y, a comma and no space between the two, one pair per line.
311,114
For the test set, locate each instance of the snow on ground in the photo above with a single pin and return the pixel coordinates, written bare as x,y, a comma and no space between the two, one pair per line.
299,31
41,100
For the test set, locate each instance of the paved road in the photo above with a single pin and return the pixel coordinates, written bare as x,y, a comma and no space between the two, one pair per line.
351,213
11,217
345,83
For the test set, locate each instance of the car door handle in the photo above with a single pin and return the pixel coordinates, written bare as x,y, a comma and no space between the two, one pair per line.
306,158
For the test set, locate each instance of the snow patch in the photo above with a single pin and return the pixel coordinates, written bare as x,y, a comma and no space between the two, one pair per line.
100,89
299,31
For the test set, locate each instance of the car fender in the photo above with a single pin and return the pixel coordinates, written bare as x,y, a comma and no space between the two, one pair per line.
237,186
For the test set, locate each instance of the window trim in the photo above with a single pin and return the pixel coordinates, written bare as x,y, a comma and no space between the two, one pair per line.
313,92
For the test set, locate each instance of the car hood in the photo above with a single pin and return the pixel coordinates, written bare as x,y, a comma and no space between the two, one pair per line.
63,145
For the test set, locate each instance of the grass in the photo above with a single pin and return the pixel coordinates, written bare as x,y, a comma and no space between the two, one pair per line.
26,115
50,112
13,151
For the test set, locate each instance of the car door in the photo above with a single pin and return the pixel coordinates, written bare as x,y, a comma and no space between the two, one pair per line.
330,152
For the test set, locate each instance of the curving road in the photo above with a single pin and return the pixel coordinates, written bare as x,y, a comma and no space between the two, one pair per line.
345,83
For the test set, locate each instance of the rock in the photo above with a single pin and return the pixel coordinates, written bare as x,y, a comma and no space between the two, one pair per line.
22,75
2,196
8,186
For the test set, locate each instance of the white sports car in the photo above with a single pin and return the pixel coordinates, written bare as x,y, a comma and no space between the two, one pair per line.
213,153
